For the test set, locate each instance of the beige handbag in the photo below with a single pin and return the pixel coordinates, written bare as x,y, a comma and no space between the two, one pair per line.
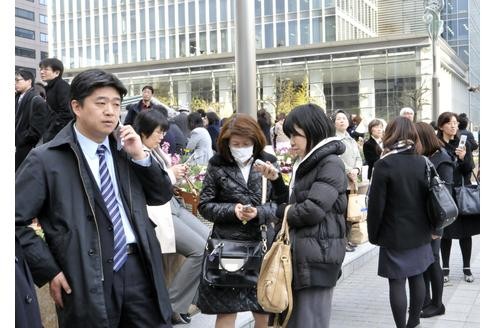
357,210
274,289
358,234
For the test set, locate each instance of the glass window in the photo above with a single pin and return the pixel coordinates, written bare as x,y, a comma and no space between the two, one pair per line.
162,48
463,29
43,55
142,21
124,52
25,52
269,35
43,37
151,19
316,29
202,42
24,33
106,53
317,4
192,43
114,24
43,19
292,6
133,51
23,13
462,5
182,15
161,17
105,25
171,17
202,11
192,18
292,33
223,10
281,34
143,49
62,31
257,8
213,42
79,28
213,11
280,6
171,46
97,54
304,5
133,21
329,3
152,49
268,8
223,39
258,37
329,28
182,45
43,2
123,23
304,31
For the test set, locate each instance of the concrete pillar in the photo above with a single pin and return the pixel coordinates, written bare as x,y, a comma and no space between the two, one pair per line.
225,96
367,93
269,90
316,93
424,56
184,93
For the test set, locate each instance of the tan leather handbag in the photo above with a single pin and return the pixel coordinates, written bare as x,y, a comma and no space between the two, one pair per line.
274,289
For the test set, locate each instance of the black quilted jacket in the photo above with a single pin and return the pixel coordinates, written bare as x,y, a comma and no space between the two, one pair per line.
316,220
224,186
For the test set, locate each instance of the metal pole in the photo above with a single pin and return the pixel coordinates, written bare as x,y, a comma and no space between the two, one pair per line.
435,84
245,58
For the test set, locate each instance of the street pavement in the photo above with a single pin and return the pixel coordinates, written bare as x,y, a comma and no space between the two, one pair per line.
361,297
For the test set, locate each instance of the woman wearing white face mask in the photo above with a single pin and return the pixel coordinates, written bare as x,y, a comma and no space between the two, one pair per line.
231,182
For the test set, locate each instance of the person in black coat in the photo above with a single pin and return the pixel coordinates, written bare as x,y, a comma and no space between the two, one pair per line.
101,256
463,123
398,221
57,96
27,312
465,226
31,116
265,122
231,182
144,104
213,126
373,147
444,165
316,214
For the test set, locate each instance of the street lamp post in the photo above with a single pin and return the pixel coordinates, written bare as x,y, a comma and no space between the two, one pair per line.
431,17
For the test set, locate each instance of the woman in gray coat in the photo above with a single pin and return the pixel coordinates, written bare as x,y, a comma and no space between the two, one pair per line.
316,220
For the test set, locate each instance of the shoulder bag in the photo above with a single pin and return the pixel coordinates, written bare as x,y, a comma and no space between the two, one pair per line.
440,205
234,263
468,198
274,290
357,210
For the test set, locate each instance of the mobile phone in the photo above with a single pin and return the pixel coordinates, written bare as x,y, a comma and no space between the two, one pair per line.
462,142
116,134
259,162
246,207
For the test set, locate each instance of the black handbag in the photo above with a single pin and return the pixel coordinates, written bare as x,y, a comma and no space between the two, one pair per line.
440,205
468,198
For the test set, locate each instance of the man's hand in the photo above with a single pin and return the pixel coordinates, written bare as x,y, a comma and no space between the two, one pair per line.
56,285
132,142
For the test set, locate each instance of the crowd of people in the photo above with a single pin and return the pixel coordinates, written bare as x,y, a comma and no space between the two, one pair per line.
103,194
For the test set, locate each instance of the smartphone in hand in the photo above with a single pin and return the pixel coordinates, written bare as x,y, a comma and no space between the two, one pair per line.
462,142
259,162
116,134
247,207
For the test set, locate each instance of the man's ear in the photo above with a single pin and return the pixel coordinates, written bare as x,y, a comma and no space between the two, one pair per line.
76,107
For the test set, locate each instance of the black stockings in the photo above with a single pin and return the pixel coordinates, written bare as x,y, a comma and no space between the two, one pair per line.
466,245
434,276
398,300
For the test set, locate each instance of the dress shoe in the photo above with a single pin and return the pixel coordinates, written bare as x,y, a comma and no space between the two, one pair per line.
179,318
446,272
468,276
432,311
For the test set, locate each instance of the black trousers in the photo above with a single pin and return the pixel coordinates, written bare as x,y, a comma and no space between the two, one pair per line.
132,302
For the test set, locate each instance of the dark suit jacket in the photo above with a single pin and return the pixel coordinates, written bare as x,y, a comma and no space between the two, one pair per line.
372,153
27,312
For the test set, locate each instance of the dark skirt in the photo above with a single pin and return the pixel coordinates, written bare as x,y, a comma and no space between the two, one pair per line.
463,227
214,300
398,264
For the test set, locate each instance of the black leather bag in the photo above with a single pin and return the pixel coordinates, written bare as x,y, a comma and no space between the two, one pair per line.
441,207
468,198
232,263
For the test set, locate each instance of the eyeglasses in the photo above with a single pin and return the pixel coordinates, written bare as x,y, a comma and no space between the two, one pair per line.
18,79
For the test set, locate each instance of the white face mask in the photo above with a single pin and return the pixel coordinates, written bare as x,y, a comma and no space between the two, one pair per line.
242,154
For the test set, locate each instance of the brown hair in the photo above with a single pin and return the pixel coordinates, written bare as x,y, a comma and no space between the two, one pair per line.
443,119
241,125
428,138
374,123
401,129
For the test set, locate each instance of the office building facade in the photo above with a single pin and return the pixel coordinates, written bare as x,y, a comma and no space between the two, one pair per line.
340,48
31,34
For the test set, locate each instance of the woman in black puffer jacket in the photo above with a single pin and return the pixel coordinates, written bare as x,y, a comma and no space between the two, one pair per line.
232,181
316,220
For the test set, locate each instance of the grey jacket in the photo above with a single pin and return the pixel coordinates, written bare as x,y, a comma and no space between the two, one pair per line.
200,145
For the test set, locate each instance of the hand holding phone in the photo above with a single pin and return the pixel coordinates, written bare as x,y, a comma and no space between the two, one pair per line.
260,163
247,208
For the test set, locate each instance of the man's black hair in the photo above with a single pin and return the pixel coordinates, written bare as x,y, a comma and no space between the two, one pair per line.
55,63
26,75
87,81
149,87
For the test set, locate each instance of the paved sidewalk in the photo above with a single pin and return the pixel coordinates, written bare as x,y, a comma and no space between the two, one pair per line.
361,297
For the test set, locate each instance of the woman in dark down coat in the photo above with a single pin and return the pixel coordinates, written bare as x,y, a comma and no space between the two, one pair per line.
398,221
434,150
465,226
316,216
232,181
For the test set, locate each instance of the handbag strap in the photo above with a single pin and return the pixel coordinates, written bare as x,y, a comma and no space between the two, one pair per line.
283,234
263,190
